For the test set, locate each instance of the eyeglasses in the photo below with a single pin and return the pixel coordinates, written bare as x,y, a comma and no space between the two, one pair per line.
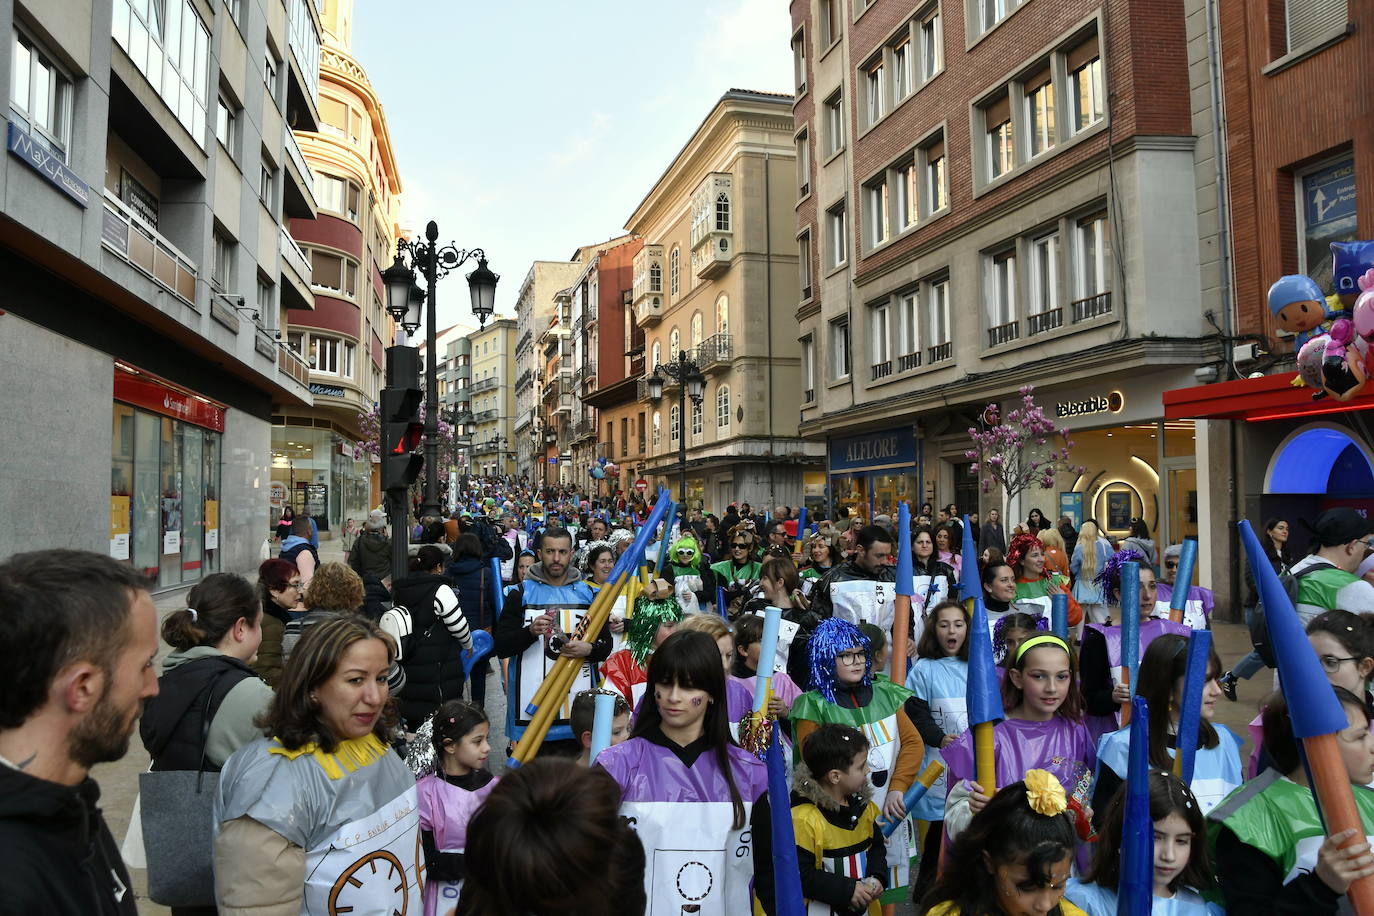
291,585
851,658
1332,663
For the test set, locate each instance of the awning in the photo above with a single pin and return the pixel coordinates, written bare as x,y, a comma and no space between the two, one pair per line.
1271,397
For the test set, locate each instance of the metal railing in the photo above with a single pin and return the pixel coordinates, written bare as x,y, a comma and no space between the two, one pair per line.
881,370
1004,333
909,361
718,348
293,149
1044,321
487,384
127,235
939,352
1091,307
808,395
290,362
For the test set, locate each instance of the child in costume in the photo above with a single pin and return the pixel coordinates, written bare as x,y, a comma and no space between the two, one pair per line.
687,788
584,716
939,682
1100,653
1009,632
748,633
847,693
1043,729
653,621
683,570
457,783
1015,857
841,853
1181,870
739,699
1217,766
1268,842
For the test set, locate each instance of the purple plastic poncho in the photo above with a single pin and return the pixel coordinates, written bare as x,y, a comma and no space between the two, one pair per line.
1061,746
445,811
1150,630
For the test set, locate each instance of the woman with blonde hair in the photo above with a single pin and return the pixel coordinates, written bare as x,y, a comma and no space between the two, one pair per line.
1055,558
1089,556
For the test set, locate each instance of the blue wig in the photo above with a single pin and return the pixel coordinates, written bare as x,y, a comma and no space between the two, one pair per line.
831,638
1109,579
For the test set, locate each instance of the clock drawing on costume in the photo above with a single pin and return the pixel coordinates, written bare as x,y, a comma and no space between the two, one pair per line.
694,883
367,882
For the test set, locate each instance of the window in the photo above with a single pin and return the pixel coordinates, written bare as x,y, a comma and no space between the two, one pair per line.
803,163
624,437
657,355
879,219
901,70
324,354
834,124
674,343
1000,152
799,61
904,192
269,75
722,212
658,430
698,423
696,329
994,11
1084,65
723,407
267,300
908,332
937,187
350,350
839,349
235,11
655,277
873,80
674,267
880,340
41,97
804,263
1001,295
338,195
723,314
830,12
1044,274
937,319
221,261
1040,111
1090,256
226,124
333,272
932,46
1309,21
835,236
266,183
808,367
295,340
674,425
170,45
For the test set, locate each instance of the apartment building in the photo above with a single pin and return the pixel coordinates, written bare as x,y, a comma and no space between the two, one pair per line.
615,425
716,281
147,181
493,397
994,194
534,307
337,322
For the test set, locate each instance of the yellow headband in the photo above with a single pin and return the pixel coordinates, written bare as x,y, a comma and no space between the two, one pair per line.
1044,639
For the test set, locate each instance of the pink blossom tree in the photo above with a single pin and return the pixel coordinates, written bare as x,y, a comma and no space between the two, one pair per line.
370,428
1018,451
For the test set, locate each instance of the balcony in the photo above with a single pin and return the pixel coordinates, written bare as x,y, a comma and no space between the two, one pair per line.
715,352
298,192
584,429
135,241
564,405
1091,307
486,416
577,326
490,383
1047,320
1004,333
588,378
303,66
909,361
880,370
566,383
295,274
648,285
712,223
939,352
291,363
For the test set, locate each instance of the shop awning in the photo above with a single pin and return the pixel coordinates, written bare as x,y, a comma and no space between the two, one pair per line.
1270,397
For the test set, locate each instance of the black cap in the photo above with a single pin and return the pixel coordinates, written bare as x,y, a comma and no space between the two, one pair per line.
1340,526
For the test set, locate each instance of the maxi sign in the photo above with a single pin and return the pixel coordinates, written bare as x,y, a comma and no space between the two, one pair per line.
37,157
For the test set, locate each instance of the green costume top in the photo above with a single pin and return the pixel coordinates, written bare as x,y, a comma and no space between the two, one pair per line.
726,571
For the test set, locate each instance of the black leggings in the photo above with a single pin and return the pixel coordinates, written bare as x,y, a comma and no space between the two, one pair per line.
930,861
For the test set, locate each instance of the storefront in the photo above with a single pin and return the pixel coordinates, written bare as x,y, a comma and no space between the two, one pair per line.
165,478
320,472
871,473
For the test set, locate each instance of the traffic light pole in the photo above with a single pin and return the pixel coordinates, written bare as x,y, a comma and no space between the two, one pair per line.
400,534
400,435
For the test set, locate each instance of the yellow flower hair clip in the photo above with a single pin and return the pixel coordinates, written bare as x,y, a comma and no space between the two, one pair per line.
1045,794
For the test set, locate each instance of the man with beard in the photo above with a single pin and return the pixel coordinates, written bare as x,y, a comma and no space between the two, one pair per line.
861,589
79,633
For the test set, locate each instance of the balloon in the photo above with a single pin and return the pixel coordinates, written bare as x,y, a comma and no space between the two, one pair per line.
598,473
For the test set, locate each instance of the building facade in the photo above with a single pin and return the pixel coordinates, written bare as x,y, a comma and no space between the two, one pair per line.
493,397
995,195
614,435
534,308
338,324
716,280
145,188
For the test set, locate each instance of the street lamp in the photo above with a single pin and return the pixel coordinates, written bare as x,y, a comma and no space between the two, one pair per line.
691,383
404,300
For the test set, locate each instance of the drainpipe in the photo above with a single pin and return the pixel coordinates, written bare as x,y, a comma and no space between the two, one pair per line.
768,304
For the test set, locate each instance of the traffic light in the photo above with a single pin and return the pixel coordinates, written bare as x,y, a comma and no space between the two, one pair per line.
402,433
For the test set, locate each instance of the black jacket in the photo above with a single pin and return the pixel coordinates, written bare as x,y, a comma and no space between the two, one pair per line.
172,725
371,554
60,858
432,658
471,578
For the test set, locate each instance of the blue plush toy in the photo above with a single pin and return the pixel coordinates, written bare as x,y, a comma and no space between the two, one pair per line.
1297,304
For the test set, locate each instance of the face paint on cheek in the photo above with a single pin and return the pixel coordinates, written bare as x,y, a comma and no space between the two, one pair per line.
696,701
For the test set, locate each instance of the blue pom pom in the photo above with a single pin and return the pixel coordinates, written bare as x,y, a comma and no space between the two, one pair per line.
831,638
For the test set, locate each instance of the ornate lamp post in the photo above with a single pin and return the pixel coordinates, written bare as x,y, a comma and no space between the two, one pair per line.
691,383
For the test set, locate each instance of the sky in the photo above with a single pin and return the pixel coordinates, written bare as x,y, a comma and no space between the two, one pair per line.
530,128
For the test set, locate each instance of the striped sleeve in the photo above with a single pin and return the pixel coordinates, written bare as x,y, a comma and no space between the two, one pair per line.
447,610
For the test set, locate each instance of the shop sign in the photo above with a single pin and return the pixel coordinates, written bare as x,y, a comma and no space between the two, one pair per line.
884,449
328,391
37,157
1111,402
145,391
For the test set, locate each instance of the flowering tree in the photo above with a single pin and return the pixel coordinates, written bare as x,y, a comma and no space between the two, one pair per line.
370,427
1016,452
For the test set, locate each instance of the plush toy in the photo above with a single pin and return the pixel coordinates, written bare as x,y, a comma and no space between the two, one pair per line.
1298,306
1333,363
1350,261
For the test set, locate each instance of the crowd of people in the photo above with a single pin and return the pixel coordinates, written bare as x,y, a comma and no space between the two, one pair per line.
333,720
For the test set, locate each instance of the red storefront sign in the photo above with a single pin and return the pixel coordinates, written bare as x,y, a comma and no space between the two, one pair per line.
151,393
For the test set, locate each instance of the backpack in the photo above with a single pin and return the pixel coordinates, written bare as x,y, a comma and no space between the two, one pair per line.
1259,627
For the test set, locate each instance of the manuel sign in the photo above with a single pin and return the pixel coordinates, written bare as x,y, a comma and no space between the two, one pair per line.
1111,402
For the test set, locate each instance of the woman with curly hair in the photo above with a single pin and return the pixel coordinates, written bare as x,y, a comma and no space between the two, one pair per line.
335,589
1034,583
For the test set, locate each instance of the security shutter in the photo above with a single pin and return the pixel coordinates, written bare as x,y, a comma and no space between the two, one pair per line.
1311,20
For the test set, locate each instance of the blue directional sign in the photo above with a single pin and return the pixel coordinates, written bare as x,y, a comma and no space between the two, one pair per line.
1329,194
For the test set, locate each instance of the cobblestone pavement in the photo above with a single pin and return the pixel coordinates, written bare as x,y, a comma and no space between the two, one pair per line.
119,780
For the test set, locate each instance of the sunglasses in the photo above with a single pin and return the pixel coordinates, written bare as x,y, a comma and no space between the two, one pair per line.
1170,564
741,546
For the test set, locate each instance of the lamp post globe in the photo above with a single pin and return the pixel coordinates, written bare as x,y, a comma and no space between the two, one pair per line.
655,383
482,287
398,280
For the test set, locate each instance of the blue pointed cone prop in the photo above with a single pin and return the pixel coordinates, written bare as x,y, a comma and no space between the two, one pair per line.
801,523
1135,891
1312,705
497,593
721,607
984,693
970,585
787,900
1059,615
667,541
1130,619
768,653
1190,715
905,575
482,644
1183,578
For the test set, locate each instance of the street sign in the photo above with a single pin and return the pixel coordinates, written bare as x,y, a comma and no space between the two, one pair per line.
1329,194
641,484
